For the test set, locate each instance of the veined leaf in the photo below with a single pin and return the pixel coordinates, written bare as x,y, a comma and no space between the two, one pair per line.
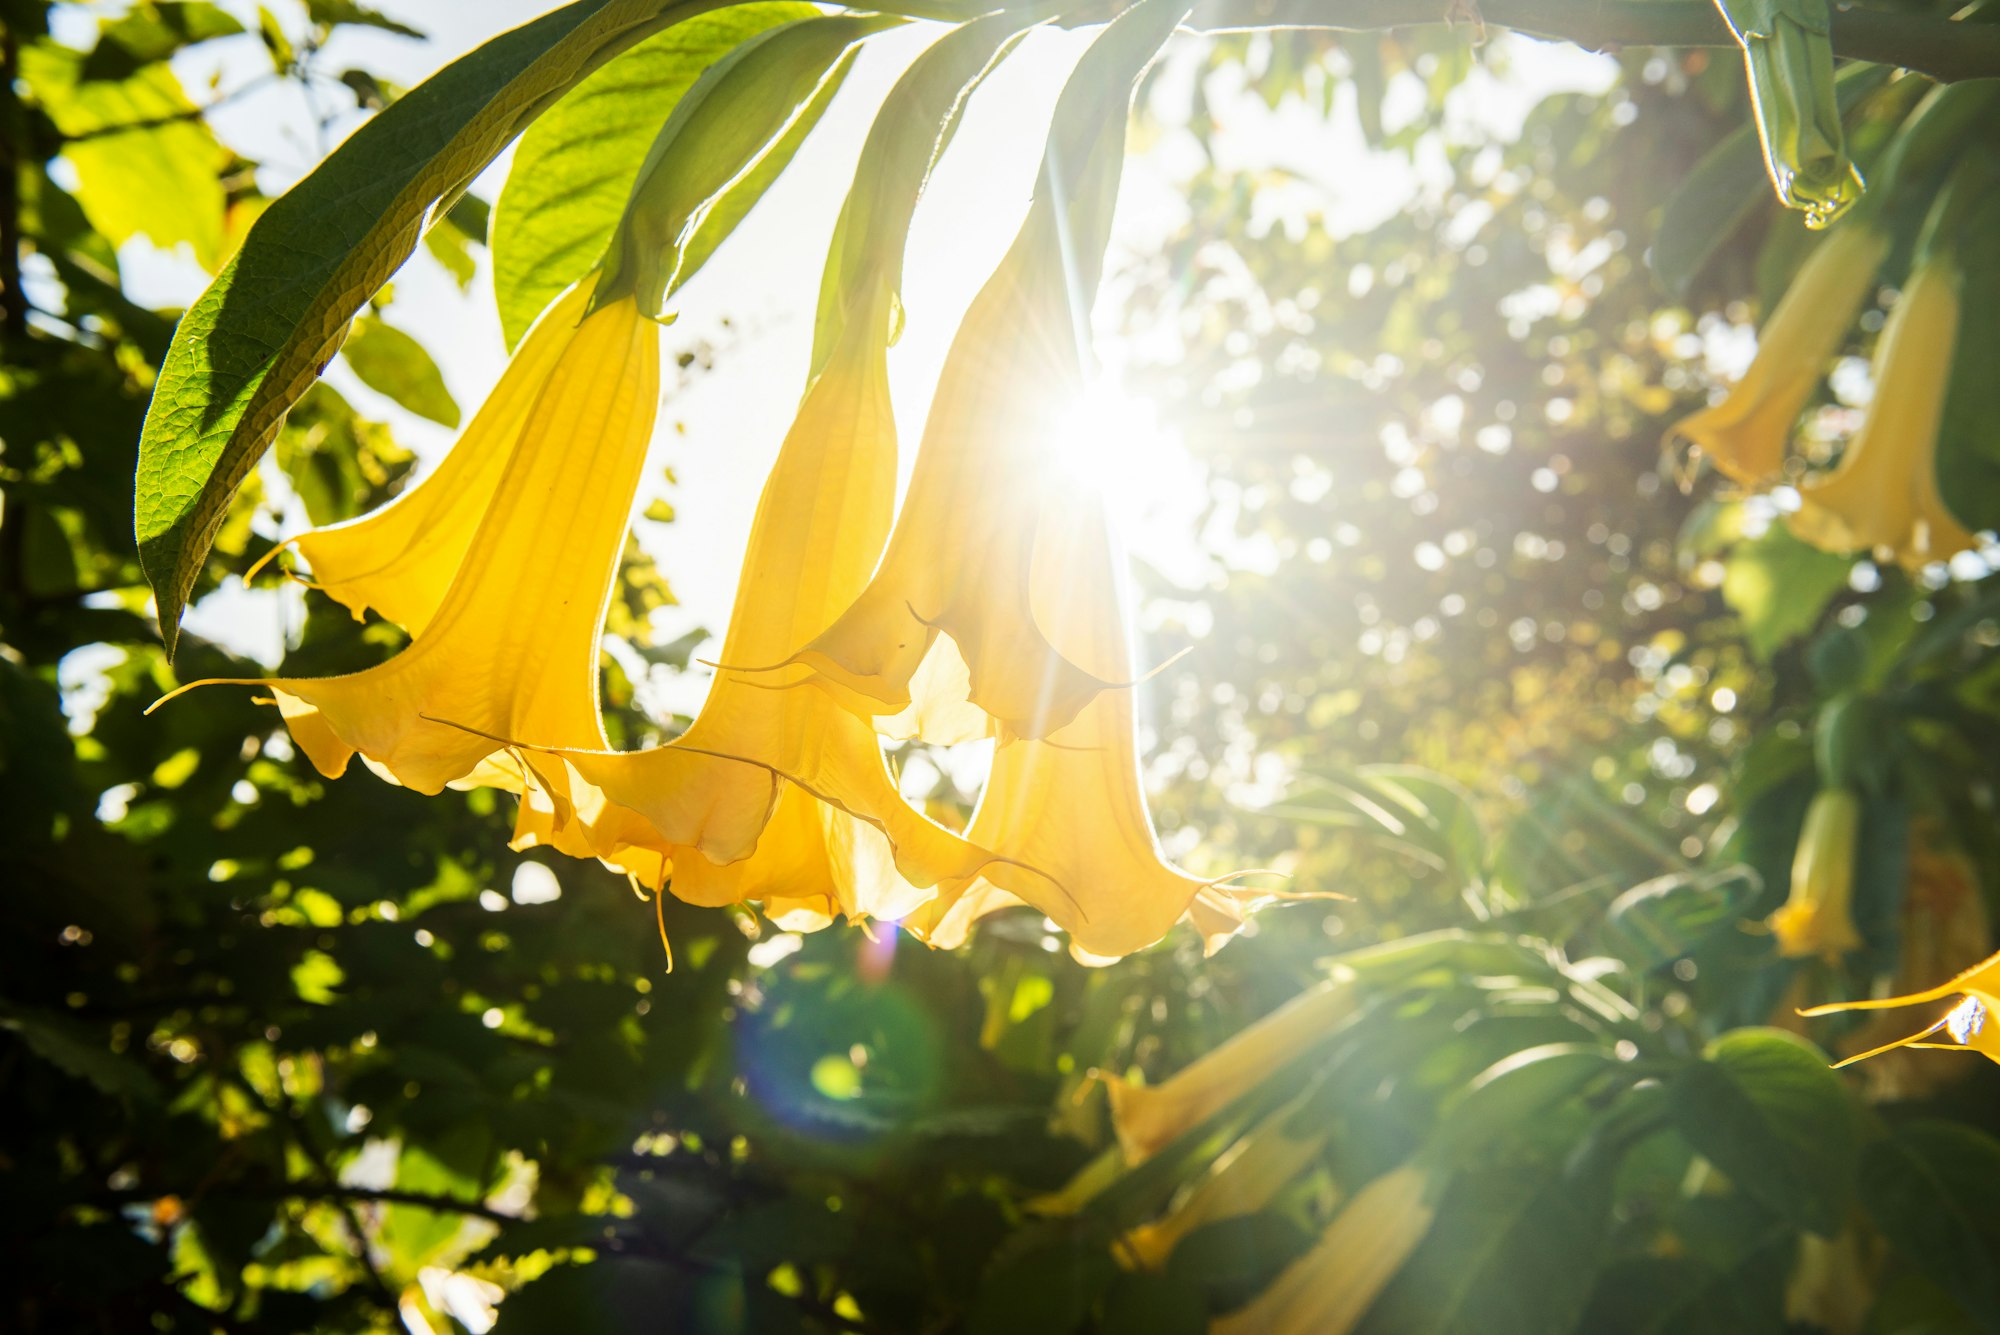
1765,1108
1513,1252
144,166
574,168
1930,1189
271,321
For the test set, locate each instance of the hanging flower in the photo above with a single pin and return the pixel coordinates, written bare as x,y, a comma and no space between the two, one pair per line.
961,557
1329,1290
1971,1023
1945,929
400,559
1068,810
1243,1181
1147,1118
1816,919
1883,495
776,792
512,650
1745,435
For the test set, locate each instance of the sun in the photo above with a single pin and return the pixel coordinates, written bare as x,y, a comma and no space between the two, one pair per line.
1120,444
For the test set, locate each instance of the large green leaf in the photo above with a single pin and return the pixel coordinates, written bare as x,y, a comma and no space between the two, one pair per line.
269,324
145,166
1930,1189
1764,1107
575,166
1513,1252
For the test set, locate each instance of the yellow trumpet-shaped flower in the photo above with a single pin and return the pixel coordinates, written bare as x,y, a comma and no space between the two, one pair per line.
1945,929
1883,495
777,792
1243,1181
1329,1290
1745,435
512,650
1816,918
400,559
1069,810
960,558
1970,1023
1147,1118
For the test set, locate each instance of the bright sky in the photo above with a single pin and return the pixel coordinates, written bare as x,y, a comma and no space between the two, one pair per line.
764,280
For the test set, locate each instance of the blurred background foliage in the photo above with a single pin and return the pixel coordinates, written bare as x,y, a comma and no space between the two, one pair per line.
284,1054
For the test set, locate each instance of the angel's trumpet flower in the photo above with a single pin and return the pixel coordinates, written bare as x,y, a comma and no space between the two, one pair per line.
1745,435
1069,809
1817,919
777,792
1147,1118
1883,495
1945,929
512,650
1243,1181
961,557
1328,1290
1971,1023
400,559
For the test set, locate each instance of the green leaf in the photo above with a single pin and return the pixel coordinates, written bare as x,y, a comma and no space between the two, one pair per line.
1968,459
1659,1295
396,366
574,168
1048,1287
1231,1261
56,1039
1779,586
332,13
145,164
1140,1302
1764,1107
1658,922
1524,1086
1930,1188
729,136
1513,1252
272,320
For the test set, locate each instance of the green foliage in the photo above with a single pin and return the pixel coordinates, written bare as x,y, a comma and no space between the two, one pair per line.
393,364
576,164
284,1053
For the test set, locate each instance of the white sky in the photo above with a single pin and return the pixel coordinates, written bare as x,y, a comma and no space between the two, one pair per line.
764,279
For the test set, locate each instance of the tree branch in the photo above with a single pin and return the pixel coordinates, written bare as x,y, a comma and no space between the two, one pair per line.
1941,48
13,300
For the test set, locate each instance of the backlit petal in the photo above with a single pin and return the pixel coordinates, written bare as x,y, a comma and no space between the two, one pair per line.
776,790
1745,435
512,651
400,559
